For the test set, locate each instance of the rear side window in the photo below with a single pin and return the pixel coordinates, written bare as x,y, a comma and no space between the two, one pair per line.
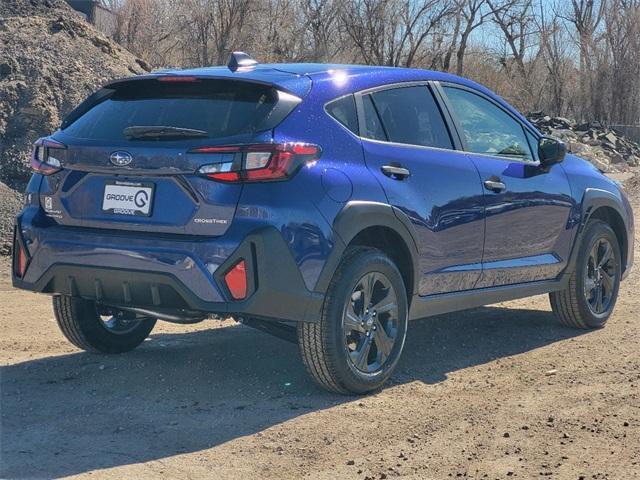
410,115
218,108
372,124
486,127
344,110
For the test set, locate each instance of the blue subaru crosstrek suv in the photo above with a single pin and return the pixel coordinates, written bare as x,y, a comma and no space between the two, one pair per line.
326,204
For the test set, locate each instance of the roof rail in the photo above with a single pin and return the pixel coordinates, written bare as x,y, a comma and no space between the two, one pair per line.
240,60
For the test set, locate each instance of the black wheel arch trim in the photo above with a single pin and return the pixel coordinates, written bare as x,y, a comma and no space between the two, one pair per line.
592,200
355,217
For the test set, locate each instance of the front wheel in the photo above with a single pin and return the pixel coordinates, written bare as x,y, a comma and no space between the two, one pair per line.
100,329
588,300
357,343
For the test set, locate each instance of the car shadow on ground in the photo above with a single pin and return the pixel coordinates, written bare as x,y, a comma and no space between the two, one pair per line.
182,393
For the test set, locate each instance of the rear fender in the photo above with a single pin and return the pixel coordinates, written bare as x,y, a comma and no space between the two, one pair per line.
355,217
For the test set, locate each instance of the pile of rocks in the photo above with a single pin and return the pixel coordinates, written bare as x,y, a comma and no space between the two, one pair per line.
50,60
606,149
10,203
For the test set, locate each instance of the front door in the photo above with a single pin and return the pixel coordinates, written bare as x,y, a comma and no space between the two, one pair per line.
527,208
409,149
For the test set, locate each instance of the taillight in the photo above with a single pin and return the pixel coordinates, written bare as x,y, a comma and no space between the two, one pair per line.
236,280
258,163
44,158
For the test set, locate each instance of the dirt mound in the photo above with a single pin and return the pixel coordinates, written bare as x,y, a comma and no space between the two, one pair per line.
23,8
50,60
632,187
606,149
10,203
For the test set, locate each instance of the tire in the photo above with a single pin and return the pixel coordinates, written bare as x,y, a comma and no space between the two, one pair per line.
576,306
80,322
331,348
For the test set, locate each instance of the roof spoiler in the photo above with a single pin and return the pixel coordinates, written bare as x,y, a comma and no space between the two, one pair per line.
240,61
286,101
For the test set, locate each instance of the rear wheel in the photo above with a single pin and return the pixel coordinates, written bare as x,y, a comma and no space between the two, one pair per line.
357,343
100,329
588,300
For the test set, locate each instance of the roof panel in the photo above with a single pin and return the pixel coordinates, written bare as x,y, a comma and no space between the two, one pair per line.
329,80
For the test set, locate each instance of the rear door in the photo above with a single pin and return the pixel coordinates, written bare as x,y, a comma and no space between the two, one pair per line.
528,208
129,161
410,150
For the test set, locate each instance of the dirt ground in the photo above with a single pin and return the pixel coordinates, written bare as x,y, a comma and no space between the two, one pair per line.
496,392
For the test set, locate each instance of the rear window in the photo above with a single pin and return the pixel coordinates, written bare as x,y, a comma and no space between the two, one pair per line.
219,108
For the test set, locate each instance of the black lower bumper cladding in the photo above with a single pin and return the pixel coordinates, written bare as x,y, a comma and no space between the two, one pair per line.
276,290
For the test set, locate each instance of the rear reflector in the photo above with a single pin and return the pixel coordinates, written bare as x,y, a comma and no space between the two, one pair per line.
236,280
20,262
258,163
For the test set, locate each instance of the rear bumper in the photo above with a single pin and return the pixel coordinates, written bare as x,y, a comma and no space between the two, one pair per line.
166,274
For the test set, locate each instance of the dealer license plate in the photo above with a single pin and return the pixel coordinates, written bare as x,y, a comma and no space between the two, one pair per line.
127,198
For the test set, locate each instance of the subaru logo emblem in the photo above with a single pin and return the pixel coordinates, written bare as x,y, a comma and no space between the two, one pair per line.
120,158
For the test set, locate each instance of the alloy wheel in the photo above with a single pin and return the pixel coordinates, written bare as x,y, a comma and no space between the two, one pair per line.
370,322
600,276
118,322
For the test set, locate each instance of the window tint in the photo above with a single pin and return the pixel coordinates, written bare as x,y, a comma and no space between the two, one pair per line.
219,108
533,143
372,125
344,110
486,127
410,115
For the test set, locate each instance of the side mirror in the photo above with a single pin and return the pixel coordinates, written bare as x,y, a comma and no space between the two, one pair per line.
551,151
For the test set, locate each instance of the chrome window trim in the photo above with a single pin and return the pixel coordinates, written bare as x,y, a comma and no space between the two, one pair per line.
392,86
525,128
436,89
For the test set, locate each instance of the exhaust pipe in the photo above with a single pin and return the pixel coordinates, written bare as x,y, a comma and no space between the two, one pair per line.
184,317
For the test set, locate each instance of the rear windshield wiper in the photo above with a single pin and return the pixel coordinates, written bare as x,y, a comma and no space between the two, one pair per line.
161,131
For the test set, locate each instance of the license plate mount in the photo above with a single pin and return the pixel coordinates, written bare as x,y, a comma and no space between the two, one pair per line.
128,198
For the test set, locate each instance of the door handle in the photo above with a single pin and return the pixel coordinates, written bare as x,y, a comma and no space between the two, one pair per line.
495,185
395,171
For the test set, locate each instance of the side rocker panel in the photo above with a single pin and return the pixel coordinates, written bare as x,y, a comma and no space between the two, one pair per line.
446,303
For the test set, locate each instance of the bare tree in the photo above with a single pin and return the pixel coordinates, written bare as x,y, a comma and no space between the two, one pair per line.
472,14
214,27
622,68
515,19
321,18
556,56
390,32
585,16
453,42
281,38
578,58
139,24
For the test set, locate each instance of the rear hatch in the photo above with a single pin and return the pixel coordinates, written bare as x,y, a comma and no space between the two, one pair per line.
129,156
